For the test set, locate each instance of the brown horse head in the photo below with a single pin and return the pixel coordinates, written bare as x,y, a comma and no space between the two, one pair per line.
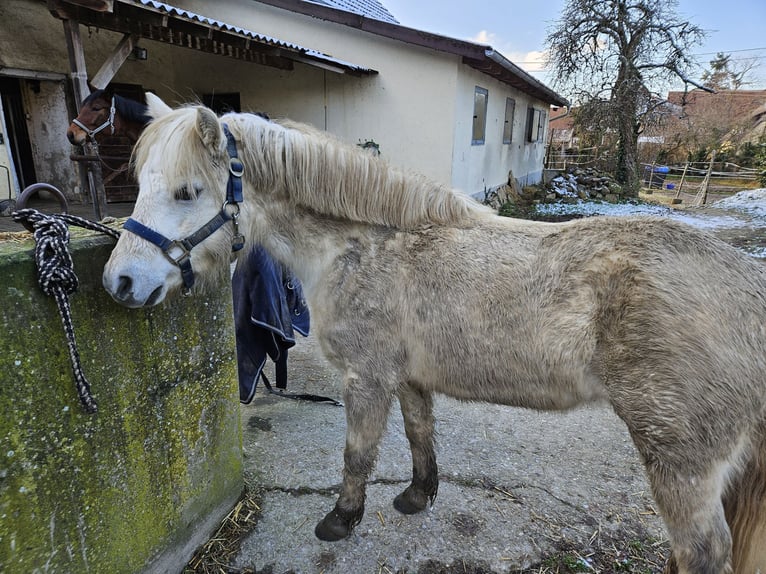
110,114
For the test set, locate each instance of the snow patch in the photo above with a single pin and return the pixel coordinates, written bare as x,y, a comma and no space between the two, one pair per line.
752,203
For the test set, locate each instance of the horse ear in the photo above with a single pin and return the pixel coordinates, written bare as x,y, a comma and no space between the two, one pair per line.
155,106
208,128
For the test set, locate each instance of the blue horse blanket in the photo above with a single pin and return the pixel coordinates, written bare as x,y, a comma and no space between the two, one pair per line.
268,307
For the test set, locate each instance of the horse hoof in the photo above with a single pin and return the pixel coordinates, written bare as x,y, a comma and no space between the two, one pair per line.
333,527
411,501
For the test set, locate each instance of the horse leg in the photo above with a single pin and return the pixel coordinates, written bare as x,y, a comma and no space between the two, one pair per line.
745,506
691,507
367,405
417,410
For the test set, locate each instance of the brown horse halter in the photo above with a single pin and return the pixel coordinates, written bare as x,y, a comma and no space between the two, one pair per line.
108,123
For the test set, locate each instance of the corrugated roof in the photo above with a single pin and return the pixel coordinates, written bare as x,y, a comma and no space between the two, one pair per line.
311,55
368,8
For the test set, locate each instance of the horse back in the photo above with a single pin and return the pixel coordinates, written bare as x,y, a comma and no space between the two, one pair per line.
580,307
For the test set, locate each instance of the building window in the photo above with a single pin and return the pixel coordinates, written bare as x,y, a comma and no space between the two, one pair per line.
535,124
510,108
541,125
480,97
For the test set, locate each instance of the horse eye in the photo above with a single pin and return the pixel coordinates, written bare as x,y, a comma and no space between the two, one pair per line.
183,194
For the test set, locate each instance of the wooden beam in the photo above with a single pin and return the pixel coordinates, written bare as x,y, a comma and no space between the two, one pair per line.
79,72
97,5
112,64
90,174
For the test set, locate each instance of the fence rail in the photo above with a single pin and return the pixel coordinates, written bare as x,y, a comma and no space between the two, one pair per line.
699,178
585,157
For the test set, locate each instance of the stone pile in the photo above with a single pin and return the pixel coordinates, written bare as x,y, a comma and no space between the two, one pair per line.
582,183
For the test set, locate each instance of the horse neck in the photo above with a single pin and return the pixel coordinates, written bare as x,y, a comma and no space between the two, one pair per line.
130,130
131,112
306,242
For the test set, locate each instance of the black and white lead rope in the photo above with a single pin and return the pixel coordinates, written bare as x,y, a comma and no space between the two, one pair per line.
56,277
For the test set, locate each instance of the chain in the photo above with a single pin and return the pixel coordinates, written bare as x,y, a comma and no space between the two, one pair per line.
56,277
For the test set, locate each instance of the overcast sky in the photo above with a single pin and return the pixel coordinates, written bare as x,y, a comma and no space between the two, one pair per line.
517,28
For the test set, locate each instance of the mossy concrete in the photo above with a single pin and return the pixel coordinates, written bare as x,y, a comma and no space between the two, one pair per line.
139,485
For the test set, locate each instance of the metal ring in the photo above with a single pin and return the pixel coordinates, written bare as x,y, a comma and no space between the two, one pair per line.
239,169
235,214
34,189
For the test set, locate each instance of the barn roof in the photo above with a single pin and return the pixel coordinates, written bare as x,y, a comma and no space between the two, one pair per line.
162,22
369,8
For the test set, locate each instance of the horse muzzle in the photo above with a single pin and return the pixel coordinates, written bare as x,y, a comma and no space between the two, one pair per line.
129,292
76,136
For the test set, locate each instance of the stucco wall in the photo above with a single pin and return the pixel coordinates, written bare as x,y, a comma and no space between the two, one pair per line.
407,108
487,165
139,485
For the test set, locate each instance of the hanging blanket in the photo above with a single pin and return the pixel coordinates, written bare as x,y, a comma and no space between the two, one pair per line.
268,307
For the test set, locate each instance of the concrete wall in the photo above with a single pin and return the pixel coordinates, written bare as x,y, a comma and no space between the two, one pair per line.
139,485
46,104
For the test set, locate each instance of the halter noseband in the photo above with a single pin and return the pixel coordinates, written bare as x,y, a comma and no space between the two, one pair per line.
109,122
178,251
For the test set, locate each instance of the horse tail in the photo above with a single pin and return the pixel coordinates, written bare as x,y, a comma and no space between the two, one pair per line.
745,507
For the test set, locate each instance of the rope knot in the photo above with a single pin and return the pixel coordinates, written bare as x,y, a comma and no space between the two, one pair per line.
54,263
56,276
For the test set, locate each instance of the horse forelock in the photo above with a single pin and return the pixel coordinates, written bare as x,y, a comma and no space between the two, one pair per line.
185,160
317,171
94,95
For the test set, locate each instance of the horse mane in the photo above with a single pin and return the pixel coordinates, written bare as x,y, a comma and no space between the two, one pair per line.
129,110
313,170
319,172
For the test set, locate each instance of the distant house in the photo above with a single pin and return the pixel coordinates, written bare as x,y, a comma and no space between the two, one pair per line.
561,130
454,110
727,118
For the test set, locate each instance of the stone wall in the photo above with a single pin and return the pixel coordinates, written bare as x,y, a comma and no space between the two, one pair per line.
139,485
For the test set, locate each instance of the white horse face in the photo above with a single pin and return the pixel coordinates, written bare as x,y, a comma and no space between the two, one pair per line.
177,195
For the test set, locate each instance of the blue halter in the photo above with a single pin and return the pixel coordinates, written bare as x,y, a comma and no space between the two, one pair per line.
178,251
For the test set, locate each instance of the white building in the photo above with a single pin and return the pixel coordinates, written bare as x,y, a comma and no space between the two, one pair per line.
454,110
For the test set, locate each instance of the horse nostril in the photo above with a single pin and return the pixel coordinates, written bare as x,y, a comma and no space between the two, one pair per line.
124,287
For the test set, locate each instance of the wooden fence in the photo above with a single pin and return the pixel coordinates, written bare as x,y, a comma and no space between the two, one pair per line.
699,179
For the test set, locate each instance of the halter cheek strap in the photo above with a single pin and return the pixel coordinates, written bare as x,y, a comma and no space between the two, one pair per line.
178,251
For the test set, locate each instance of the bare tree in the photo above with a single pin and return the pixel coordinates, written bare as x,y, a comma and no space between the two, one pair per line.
619,53
725,74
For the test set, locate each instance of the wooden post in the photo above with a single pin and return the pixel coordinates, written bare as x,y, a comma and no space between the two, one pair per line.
651,177
677,198
702,195
90,172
